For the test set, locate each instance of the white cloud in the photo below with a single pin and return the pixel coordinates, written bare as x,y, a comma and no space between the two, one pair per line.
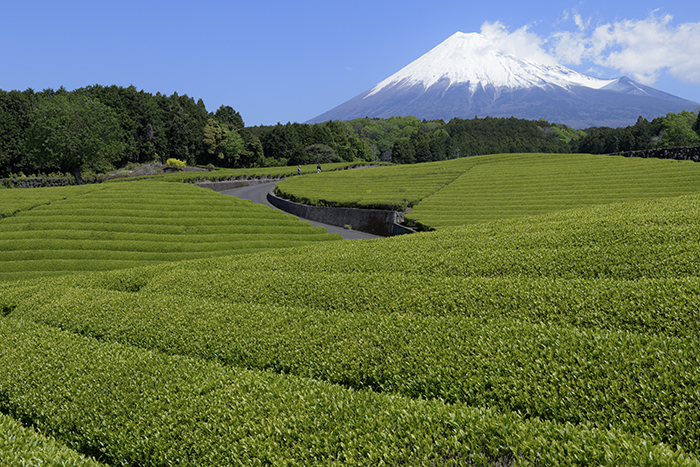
641,48
522,42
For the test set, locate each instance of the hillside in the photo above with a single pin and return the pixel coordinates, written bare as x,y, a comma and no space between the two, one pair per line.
63,230
484,188
566,338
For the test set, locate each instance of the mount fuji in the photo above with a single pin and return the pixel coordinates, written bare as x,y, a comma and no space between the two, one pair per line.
468,75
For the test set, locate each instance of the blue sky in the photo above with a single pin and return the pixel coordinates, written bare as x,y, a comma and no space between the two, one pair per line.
281,61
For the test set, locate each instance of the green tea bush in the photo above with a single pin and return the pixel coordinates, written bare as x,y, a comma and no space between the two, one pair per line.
132,407
21,447
641,383
583,317
120,225
393,187
478,189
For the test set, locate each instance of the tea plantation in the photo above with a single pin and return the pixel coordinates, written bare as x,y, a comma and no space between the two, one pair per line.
52,231
484,188
566,338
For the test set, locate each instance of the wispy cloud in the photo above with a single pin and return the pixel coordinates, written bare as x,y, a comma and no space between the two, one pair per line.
642,48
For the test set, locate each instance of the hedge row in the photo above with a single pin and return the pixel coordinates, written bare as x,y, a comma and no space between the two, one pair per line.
22,447
71,230
507,186
639,383
395,187
132,407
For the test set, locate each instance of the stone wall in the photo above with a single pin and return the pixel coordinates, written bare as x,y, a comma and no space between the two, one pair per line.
690,153
374,221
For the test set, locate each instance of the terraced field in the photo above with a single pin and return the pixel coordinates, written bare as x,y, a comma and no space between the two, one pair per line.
392,187
569,338
523,185
483,188
52,231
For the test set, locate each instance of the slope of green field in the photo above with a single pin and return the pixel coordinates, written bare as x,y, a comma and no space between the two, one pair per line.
528,184
393,187
483,188
120,225
563,339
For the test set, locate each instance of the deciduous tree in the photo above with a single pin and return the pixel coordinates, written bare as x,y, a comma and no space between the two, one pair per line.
73,133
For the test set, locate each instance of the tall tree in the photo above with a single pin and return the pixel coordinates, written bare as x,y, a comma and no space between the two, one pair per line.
678,130
73,133
214,138
227,116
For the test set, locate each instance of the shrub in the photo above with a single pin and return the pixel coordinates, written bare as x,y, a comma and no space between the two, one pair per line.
175,163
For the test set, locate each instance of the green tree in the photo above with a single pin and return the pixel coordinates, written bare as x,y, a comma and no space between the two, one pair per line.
233,146
74,133
403,152
214,138
317,153
227,116
678,130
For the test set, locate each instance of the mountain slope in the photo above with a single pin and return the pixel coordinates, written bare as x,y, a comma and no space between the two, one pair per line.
467,75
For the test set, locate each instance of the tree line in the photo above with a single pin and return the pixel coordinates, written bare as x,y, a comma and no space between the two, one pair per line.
408,140
97,128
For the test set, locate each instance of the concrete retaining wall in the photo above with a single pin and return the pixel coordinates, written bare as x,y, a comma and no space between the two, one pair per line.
374,221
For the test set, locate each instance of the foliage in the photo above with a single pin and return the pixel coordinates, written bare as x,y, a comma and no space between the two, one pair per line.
478,189
152,126
158,127
568,338
175,163
291,140
51,231
74,133
678,130
20,447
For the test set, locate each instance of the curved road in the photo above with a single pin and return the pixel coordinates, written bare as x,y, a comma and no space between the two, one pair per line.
258,194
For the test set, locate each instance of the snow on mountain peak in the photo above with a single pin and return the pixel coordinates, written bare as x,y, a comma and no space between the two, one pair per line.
475,60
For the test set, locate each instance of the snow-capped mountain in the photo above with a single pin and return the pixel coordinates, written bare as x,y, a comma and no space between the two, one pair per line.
468,75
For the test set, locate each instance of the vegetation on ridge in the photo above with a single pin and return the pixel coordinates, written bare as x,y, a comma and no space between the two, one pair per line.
540,340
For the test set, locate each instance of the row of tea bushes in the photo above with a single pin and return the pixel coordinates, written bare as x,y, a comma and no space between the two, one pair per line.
126,406
484,188
517,186
23,447
53,231
15,201
521,185
223,174
636,382
635,240
394,187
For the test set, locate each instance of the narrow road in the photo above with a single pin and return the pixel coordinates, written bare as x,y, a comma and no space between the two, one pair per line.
258,194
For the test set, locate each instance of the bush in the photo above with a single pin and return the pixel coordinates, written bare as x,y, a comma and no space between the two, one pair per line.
175,163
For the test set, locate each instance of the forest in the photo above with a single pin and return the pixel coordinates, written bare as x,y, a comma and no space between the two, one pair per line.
97,128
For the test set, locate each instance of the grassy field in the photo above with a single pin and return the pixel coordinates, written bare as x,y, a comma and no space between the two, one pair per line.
568,338
391,187
52,231
483,188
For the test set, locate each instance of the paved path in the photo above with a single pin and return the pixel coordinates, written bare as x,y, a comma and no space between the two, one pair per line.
258,194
